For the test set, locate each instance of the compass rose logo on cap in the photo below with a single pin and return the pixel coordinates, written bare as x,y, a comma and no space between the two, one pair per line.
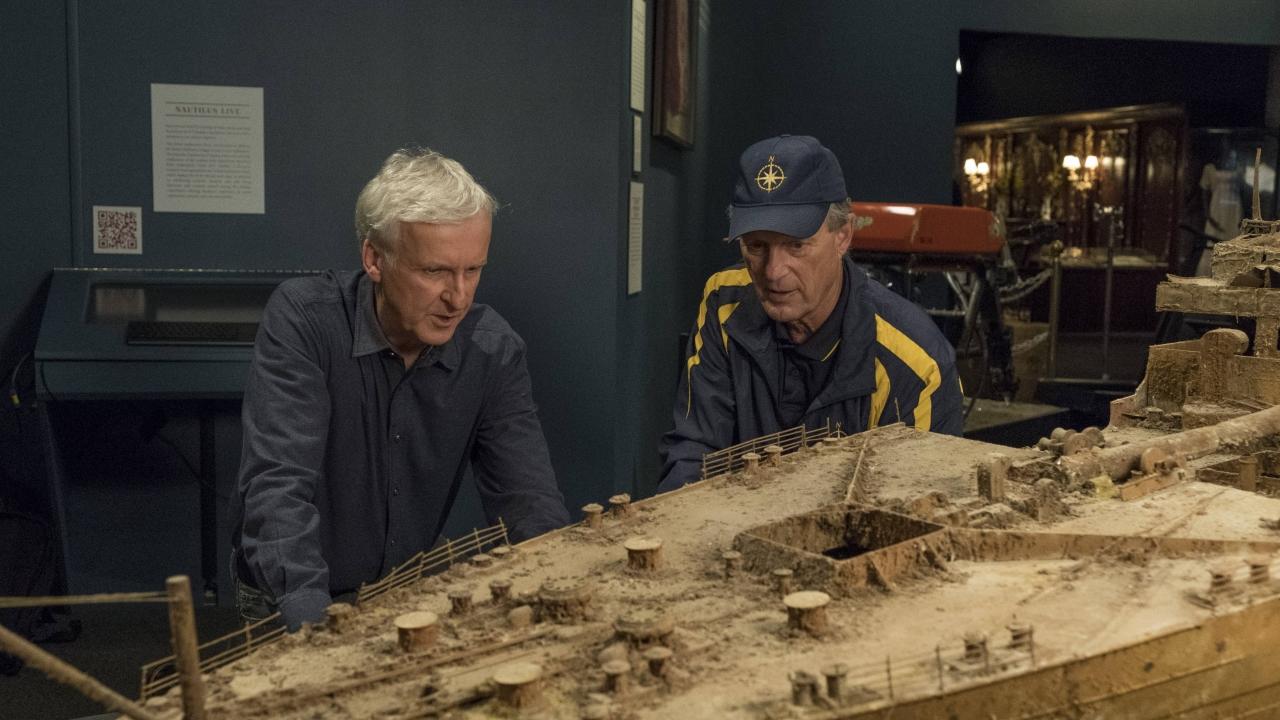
770,177
793,201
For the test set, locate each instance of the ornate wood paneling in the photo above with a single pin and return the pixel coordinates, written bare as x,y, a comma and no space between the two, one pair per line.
1139,151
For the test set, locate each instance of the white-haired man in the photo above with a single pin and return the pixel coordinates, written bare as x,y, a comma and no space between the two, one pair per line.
370,395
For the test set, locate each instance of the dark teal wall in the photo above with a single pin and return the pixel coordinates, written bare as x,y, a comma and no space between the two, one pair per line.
875,80
532,98
650,324
34,202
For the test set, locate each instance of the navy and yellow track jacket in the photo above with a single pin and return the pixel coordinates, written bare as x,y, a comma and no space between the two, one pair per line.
893,365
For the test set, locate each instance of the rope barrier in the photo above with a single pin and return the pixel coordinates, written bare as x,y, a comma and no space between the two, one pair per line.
46,600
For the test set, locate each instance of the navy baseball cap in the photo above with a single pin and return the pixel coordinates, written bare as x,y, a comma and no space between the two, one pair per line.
785,184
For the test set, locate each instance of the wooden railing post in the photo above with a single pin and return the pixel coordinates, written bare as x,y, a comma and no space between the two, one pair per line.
186,653
937,653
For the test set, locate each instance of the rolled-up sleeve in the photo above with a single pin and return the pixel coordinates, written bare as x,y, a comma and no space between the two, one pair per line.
510,458
286,420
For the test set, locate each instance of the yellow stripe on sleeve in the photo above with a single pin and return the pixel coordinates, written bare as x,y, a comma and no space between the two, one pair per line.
724,278
880,396
723,314
920,362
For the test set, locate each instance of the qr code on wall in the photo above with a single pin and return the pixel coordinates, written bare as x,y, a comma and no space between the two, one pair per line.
117,230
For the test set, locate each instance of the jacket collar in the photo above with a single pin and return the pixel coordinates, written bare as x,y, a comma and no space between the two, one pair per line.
854,374
367,336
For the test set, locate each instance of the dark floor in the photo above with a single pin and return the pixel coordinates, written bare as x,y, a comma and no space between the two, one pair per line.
118,639
114,643
1080,355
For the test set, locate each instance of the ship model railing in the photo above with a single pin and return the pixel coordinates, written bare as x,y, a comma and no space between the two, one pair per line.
430,562
734,457
160,675
900,677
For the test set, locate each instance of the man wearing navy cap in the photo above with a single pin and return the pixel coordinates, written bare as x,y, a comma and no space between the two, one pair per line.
797,333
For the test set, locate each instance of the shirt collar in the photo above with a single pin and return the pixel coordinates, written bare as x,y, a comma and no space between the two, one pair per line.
368,338
819,345
855,374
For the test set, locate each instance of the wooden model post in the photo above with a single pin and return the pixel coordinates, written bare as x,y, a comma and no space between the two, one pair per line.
1220,579
992,474
773,455
644,554
1248,473
564,600
782,581
975,647
835,675
657,656
417,631
591,514
339,617
807,611
620,505
1259,568
500,591
732,562
804,688
519,685
1020,636
186,652
615,676
460,600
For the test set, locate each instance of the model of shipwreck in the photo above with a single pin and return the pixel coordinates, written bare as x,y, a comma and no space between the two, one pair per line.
1119,573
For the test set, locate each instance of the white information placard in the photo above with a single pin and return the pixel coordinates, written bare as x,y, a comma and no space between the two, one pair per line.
206,149
635,238
639,10
637,144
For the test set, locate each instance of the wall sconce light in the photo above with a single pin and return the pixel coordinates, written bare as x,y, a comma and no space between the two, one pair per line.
978,174
1082,176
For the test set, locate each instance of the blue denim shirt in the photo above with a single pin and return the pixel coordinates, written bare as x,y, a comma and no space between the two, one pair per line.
351,462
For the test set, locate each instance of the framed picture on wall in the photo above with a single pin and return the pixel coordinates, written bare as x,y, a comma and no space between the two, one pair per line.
674,74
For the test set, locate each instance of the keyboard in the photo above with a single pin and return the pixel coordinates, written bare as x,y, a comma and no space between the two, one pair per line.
156,332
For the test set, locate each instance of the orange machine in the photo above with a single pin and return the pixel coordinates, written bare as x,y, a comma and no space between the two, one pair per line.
926,229
899,242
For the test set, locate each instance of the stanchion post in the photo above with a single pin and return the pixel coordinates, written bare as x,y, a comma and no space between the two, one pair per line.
1055,301
186,651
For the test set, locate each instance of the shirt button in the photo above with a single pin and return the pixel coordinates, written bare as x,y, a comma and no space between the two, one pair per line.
395,491
397,437
393,541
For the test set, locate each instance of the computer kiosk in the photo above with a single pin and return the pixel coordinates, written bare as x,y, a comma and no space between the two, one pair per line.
178,339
